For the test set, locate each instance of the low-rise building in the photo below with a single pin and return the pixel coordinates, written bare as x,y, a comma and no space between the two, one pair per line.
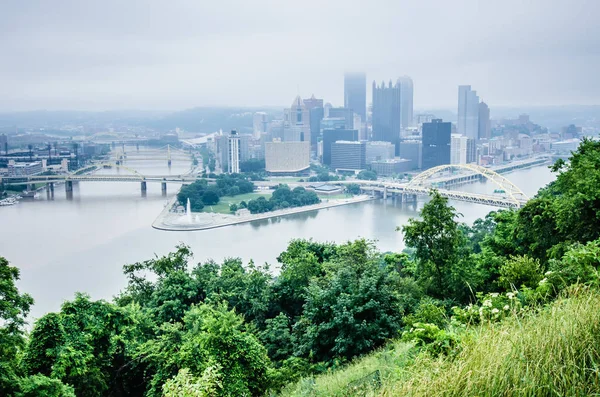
24,169
379,150
287,157
348,155
566,146
391,167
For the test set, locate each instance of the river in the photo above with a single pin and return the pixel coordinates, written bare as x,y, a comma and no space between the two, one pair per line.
62,246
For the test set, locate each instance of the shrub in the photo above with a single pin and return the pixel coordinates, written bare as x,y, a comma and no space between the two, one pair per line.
520,271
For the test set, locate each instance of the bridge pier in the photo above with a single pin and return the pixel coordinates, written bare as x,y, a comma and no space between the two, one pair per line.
144,188
31,187
163,188
169,162
385,193
69,186
50,190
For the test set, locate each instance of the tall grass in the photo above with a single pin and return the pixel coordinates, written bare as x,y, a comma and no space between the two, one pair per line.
555,352
357,378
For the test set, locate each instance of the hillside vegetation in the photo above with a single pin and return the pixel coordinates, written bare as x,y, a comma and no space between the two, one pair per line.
507,306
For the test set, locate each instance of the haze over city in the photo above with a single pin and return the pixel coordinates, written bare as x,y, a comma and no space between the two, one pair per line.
114,55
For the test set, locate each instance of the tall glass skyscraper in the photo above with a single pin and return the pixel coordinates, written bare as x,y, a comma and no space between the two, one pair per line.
436,143
355,94
406,102
468,112
386,113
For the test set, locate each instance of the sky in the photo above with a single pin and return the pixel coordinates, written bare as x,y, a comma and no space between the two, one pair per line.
177,54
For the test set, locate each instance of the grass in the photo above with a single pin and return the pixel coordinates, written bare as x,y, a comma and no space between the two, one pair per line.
551,352
223,206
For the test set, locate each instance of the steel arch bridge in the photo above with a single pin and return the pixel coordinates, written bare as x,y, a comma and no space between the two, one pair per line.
513,192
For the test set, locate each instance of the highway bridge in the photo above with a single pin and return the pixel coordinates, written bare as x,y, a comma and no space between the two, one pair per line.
510,196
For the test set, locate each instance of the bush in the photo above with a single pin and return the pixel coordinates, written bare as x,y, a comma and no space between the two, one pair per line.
42,386
520,271
435,340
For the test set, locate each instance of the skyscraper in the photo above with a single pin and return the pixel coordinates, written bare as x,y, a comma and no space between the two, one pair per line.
436,143
355,93
386,113
485,129
468,112
233,165
260,123
406,102
296,121
331,136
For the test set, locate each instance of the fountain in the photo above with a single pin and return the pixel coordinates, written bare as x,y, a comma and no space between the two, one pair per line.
188,211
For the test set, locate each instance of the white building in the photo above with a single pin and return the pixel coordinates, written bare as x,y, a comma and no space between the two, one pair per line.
287,157
458,149
296,122
566,146
24,169
468,112
233,165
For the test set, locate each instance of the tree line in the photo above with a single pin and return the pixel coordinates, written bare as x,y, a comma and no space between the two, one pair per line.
283,197
201,193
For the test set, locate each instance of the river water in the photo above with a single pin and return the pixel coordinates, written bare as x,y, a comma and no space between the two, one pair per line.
62,246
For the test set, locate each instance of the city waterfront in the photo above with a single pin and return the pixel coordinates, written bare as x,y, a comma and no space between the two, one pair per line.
63,246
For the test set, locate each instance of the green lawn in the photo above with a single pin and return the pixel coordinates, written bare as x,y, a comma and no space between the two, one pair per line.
223,206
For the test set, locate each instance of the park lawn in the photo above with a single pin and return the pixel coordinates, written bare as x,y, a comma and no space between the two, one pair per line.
222,207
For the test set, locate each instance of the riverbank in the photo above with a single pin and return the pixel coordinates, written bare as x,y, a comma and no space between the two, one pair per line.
169,221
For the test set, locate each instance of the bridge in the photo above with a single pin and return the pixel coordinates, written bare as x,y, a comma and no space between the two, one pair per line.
169,155
510,196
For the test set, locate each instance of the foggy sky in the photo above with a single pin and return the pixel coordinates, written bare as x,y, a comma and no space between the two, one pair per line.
169,55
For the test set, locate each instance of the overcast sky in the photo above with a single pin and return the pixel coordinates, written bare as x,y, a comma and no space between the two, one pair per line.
170,55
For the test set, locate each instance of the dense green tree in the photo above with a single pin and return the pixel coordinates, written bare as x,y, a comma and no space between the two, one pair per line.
14,307
444,266
367,175
353,188
283,197
353,309
210,197
42,386
252,165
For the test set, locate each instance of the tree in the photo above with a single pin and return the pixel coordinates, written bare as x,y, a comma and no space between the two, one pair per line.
353,309
443,266
14,307
210,197
42,386
353,188
367,175
233,208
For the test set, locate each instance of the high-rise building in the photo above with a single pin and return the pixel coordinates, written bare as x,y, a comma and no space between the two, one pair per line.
471,151
4,143
297,118
386,113
458,147
260,123
406,102
436,143
331,136
315,115
313,102
333,123
468,112
355,93
287,157
345,113
485,128
233,165
348,155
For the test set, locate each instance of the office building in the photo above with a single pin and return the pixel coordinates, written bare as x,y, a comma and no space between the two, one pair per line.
233,165
333,123
468,112
260,123
346,114
331,136
296,119
287,158
471,151
24,169
380,151
275,129
348,155
312,102
315,115
386,113
436,143
391,166
458,147
355,93
412,150
245,140
485,127
406,102
565,147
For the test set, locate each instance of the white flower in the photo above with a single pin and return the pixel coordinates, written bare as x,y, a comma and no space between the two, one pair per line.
494,294
506,307
495,311
543,281
487,302
510,295
549,272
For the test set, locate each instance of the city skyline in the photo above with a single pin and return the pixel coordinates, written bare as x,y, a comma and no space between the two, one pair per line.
110,55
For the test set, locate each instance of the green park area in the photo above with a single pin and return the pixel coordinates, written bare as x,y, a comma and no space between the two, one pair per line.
222,207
